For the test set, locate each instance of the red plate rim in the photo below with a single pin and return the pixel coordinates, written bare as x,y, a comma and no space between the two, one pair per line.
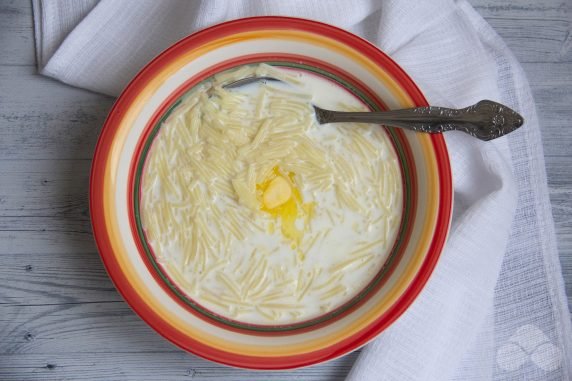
154,320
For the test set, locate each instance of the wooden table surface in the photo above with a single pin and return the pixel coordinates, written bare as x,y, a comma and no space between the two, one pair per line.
60,316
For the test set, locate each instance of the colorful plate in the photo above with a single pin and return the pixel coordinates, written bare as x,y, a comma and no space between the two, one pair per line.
135,119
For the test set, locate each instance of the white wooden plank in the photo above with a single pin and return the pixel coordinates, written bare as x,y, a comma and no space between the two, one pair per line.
16,242
16,24
44,119
521,9
150,366
535,40
66,278
45,188
536,31
77,328
551,85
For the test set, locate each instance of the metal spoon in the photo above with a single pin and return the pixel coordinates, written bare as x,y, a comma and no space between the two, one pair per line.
485,120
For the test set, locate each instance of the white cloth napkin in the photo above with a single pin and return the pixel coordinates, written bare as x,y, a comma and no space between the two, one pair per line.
495,308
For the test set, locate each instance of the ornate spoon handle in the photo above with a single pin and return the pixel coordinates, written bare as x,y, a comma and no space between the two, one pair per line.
485,120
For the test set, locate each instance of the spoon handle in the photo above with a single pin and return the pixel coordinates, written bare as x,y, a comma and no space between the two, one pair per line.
485,120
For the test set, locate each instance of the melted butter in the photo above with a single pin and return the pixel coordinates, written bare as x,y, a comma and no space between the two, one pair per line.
277,193
280,197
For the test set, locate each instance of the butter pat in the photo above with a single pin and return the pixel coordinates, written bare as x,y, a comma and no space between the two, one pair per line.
278,193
